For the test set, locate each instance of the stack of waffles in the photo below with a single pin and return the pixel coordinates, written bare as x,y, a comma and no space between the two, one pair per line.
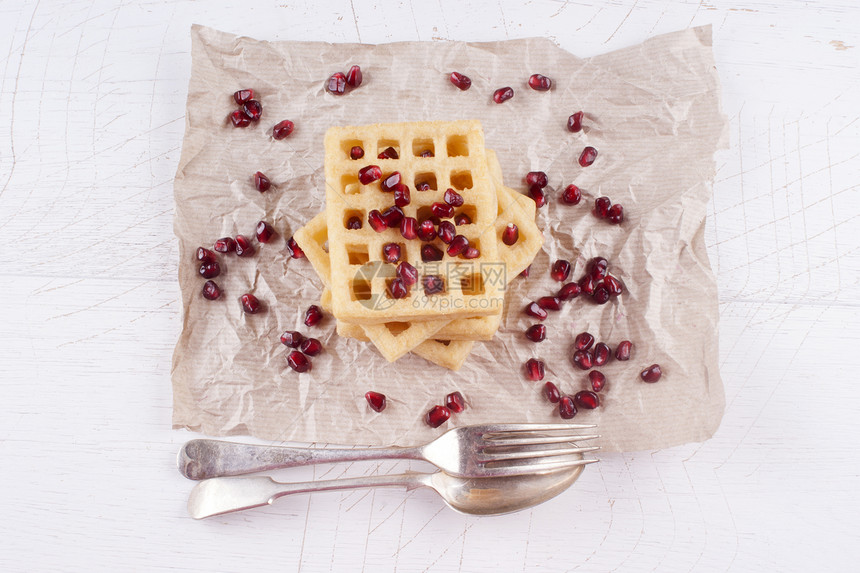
456,301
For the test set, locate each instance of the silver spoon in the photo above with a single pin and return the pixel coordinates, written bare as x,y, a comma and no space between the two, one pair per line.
474,496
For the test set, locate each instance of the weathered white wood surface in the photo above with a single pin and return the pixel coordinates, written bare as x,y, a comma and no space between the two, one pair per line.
91,121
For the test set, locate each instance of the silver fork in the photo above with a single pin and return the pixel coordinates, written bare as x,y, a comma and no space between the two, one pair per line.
487,450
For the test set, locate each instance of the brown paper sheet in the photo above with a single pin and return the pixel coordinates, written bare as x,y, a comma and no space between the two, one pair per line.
653,112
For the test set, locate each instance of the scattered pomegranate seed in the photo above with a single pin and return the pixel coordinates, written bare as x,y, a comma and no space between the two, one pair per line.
407,273
537,195
613,284
225,245
461,81
601,294
211,290
536,333
574,122
442,210
426,153
336,84
397,289
433,284
356,152
462,219
205,256
534,369
538,178
455,402
511,234
597,379
253,109
471,253
453,198
353,77
298,361
210,270
295,251
569,291
583,359
409,228
261,182
525,272
602,353
390,182
615,214
652,373
549,303
551,392
402,197
586,284
429,253
241,96
313,315
533,309
583,341
572,195
623,350
587,157
566,408
283,129
458,245
540,83
388,153
446,232
265,232
586,399
369,174
391,252
502,95
244,247
311,346
292,338
377,223
437,416
376,400
601,206
354,224
560,270
250,304
427,231
422,186
597,268
239,119
393,216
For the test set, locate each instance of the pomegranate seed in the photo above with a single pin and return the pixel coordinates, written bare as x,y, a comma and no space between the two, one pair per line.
549,303
502,95
453,198
430,253
397,289
511,234
572,195
225,245
283,129
391,252
601,294
551,392
426,153
244,247
586,399
538,178
292,338
375,400
601,206
401,195
537,195
298,361
583,341
295,251
369,174
210,270
265,232
356,152
377,223
313,315
597,379
586,284
390,182
211,290
239,119
471,253
613,284
587,157
311,346
442,210
560,270
427,231
388,153
206,256
407,273
615,214
409,228
566,408
534,309
433,284
623,350
353,224
253,109
393,216
353,77
458,245
540,83
597,268
250,304
569,291
242,96
462,219
602,352
446,232
336,84
534,369
437,416
422,186
574,122
525,272
461,81
261,182
583,359
455,402
652,373
536,333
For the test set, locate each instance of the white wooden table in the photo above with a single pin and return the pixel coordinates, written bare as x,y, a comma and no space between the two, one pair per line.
91,121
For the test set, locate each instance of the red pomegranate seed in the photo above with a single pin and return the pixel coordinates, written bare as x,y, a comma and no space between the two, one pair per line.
652,373
502,95
388,153
261,182
540,83
538,196
572,195
583,341
586,284
390,182
614,285
615,214
560,270
225,245
298,361
336,84
536,333
583,359
566,408
375,400
597,268
391,252
239,119
210,270
534,369
586,399
369,174
402,197
458,245
574,122
534,309
356,152
422,186
597,379
549,303
623,350
442,210
295,251
601,206
407,273
244,247
253,109
569,291
397,289
471,253
409,228
551,392
446,232
601,294
292,338
393,216
265,232
313,315
283,129
602,353
437,416
377,223
205,256
455,402
587,157
250,304
462,219
353,77
426,153
461,81
427,231
429,253
433,284
354,224
525,272
211,290
311,346
538,178
511,234
241,96
453,198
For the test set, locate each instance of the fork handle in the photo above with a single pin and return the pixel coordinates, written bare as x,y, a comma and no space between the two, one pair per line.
204,458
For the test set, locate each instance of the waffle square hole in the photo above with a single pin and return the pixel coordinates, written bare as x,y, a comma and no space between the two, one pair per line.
357,254
472,285
458,145
360,289
357,213
347,146
461,180
384,144
428,178
349,183
421,147
397,328
468,210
